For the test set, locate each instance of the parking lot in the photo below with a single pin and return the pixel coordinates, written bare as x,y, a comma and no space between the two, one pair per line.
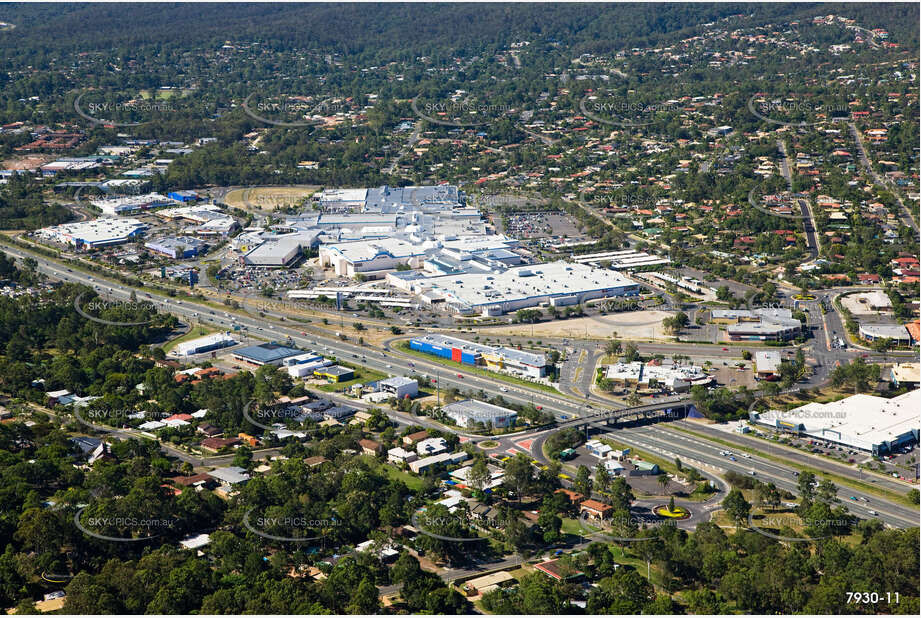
903,463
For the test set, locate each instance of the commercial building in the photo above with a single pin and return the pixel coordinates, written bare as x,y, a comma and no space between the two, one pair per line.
509,360
371,256
470,412
178,247
767,363
764,331
506,360
281,251
207,219
676,378
864,422
265,354
305,364
204,344
758,324
131,204
96,234
598,449
183,196
399,387
335,373
458,350
906,374
556,284
896,332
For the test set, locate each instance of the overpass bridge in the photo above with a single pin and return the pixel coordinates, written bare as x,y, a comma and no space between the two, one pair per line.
666,409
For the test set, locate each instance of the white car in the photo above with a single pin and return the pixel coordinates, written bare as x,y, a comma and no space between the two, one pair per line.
504,389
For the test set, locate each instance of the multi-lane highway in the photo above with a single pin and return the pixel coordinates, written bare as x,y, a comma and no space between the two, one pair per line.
658,438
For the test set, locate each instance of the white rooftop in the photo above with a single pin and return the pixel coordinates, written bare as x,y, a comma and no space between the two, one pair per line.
98,230
553,279
863,421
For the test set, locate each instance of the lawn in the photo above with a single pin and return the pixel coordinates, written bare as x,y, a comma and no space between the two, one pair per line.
410,480
194,333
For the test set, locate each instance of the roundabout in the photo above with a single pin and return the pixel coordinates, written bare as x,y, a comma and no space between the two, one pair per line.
672,512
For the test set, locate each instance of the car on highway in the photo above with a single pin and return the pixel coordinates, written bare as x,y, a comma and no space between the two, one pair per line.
795,473
538,407
504,389
854,498
412,364
725,349
460,376
389,366
873,513
731,458
753,473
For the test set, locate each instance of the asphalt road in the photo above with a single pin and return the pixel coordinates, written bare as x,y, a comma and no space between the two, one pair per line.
397,364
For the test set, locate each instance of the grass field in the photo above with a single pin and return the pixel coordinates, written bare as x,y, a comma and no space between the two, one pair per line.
410,480
268,198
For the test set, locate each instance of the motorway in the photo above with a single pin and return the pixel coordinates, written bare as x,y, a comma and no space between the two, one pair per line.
657,438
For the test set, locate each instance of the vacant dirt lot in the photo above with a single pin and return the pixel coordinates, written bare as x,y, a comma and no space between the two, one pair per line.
267,198
643,325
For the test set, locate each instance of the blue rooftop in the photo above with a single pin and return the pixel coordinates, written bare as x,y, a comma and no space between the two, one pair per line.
267,352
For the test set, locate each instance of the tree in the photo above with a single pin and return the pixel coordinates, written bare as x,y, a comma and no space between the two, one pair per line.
602,477
550,525
613,347
583,482
365,599
737,506
626,592
826,491
479,474
663,481
519,474
631,354
805,485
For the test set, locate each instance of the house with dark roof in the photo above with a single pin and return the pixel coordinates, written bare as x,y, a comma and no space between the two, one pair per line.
213,445
559,571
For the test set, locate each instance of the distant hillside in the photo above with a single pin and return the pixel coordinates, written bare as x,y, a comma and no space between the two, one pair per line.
389,31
